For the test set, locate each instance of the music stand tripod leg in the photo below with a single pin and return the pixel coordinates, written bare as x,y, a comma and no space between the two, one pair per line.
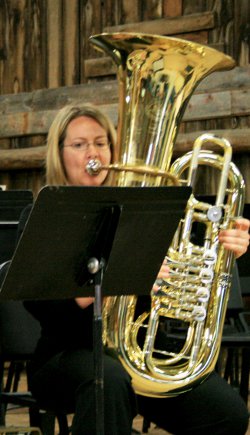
96,268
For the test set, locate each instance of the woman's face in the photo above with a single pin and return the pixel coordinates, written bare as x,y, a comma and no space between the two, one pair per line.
85,139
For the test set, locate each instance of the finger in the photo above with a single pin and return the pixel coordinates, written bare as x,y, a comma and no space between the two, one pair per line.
228,235
238,246
164,272
236,239
242,224
235,245
239,234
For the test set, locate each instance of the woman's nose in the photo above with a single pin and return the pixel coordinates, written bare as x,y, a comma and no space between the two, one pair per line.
92,150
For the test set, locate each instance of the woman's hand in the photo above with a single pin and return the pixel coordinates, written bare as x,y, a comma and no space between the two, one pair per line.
236,239
84,302
163,274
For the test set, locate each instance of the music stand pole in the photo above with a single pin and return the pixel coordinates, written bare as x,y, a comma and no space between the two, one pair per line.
96,269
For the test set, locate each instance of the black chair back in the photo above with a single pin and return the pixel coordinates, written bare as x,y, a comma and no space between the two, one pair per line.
19,331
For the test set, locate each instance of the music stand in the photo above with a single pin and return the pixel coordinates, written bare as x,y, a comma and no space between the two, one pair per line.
12,202
125,230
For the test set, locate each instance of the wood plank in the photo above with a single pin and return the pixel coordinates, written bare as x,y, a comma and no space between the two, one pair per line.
241,102
33,123
22,40
54,28
168,26
152,10
200,37
239,77
12,75
172,8
70,43
45,99
27,123
201,107
31,113
239,139
91,23
218,104
107,91
99,67
130,11
31,158
35,46
25,158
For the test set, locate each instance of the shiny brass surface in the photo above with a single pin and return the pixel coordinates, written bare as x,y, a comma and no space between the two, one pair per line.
157,76
94,167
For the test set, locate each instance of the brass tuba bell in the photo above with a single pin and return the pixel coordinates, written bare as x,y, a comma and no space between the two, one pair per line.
157,76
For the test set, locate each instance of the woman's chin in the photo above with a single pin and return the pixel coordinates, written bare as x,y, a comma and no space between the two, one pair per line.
93,180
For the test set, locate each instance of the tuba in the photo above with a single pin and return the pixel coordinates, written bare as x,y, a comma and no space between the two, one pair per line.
157,76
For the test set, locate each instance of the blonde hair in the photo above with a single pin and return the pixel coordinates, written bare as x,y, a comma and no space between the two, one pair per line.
55,172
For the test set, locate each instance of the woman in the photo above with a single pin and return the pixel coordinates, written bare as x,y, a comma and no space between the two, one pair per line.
63,367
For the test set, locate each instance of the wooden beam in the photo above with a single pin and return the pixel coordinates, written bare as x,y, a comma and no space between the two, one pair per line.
239,139
99,67
25,158
31,158
38,122
218,105
45,99
168,26
31,114
201,107
237,78
107,92
26,123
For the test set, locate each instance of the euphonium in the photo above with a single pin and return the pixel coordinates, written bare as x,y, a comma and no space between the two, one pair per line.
157,76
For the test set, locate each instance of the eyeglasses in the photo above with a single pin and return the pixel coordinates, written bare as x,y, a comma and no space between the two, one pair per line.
84,145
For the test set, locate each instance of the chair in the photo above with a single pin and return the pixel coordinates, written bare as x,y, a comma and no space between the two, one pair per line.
243,265
19,333
236,342
236,337
235,367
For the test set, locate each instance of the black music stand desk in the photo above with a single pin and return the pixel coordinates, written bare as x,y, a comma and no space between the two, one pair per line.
126,230
12,202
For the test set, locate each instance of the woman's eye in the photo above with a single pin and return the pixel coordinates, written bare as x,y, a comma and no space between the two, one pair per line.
104,144
79,145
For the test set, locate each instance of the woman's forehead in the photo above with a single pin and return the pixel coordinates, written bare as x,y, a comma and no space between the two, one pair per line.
85,125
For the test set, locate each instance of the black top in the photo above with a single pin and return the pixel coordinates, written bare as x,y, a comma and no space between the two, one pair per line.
64,326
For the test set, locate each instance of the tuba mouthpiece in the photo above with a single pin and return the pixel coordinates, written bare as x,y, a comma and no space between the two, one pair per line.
94,167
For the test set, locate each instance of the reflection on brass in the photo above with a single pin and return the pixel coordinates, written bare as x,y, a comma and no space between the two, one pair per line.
94,167
157,76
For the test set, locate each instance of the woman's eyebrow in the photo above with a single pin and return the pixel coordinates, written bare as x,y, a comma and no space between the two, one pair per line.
85,138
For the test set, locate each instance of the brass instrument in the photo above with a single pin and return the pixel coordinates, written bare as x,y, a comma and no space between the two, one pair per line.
157,76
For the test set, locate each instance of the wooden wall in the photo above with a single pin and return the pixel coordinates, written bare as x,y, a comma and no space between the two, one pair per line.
44,44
